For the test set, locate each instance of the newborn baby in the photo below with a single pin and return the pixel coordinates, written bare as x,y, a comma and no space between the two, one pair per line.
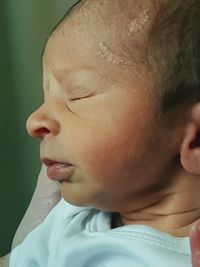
120,134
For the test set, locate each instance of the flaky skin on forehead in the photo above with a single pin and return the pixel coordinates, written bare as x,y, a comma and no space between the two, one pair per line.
161,35
116,21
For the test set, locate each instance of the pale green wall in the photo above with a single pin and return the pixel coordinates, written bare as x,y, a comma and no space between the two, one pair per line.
24,27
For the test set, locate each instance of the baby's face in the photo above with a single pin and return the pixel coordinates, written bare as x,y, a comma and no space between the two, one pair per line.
102,120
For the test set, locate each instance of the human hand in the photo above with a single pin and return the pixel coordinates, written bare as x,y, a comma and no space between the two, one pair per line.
195,244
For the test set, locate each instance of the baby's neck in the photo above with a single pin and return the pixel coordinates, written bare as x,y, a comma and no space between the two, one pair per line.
174,213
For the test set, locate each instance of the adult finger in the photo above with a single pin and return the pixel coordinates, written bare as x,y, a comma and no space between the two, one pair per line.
195,244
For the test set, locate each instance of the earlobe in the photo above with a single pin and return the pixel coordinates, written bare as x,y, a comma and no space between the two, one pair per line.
190,148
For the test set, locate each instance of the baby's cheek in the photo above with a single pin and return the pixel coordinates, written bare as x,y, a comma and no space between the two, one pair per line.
98,150
103,156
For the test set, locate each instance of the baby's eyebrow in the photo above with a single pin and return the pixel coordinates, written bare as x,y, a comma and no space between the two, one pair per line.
73,79
65,76
70,75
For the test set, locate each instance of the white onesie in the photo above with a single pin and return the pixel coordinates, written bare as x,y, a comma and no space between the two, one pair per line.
82,237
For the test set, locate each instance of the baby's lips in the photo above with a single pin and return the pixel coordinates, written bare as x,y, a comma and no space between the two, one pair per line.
58,171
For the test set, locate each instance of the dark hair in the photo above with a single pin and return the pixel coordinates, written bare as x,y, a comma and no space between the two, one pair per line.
175,44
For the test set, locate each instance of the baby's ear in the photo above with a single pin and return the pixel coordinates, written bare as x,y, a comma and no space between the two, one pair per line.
190,147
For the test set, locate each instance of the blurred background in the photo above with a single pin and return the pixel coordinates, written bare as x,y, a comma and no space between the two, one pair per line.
24,27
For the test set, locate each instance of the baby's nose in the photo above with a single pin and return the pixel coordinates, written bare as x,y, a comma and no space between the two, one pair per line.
39,124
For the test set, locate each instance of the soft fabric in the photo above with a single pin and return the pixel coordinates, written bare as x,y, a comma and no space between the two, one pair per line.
46,196
82,237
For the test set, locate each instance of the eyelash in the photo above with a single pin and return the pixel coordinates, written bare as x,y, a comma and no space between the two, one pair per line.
80,98
76,99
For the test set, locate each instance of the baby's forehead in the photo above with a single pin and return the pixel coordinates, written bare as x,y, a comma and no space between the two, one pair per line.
113,15
113,44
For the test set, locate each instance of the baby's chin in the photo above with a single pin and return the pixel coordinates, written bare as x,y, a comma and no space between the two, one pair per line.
74,194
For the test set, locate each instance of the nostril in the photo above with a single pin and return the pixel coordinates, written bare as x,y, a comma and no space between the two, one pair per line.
40,124
41,132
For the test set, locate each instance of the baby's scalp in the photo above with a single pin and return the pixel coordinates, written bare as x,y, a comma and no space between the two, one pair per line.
119,28
161,36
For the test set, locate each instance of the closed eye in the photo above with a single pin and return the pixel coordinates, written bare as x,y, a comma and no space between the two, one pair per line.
81,97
